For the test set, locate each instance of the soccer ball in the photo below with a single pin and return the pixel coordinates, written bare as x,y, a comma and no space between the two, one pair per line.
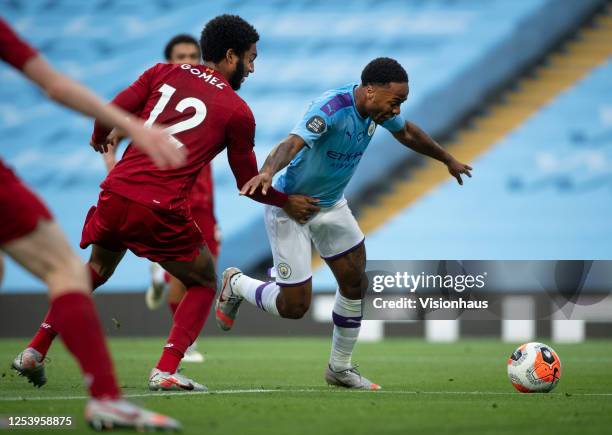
534,368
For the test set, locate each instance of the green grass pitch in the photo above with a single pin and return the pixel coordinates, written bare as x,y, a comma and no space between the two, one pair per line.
459,388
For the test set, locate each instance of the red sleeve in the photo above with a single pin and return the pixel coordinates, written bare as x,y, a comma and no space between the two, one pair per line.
132,99
240,134
13,50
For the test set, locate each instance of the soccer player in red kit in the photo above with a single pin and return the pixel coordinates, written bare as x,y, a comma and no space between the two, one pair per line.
185,49
181,49
33,239
147,210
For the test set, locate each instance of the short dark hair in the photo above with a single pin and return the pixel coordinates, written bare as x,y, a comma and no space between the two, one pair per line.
179,39
382,71
225,32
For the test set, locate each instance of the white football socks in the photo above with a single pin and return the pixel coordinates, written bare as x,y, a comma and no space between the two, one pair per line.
261,294
347,323
158,274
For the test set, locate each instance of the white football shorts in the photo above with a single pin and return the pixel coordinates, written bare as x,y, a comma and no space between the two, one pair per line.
333,230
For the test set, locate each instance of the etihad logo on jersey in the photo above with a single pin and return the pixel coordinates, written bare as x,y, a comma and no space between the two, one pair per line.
206,75
344,160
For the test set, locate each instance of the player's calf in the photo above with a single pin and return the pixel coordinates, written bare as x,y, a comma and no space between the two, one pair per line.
293,301
102,264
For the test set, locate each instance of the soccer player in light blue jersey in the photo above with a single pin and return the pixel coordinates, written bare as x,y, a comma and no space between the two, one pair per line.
322,153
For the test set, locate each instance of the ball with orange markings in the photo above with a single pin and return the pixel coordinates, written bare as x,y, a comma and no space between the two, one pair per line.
534,368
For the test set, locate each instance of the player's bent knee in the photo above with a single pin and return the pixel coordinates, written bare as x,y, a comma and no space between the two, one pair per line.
294,301
294,311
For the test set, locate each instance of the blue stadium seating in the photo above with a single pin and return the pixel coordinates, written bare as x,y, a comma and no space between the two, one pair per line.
455,52
542,193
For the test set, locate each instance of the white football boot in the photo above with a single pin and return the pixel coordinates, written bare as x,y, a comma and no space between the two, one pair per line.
349,378
228,301
165,381
121,414
31,364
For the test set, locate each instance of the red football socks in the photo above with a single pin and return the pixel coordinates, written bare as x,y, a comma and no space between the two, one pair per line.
47,332
44,336
188,321
76,321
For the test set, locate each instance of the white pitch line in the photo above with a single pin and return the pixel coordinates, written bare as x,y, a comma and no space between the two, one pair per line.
259,390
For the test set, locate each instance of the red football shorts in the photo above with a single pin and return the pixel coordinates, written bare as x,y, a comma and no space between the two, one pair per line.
118,223
205,220
20,208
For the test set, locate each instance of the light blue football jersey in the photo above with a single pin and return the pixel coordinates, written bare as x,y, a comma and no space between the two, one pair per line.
336,137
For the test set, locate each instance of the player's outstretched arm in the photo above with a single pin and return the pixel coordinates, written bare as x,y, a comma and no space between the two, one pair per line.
280,156
154,142
416,139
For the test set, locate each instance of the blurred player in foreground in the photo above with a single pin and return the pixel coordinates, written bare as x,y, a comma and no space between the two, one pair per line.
147,210
29,234
323,151
181,49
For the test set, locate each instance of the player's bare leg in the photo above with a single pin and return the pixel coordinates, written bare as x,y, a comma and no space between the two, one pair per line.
199,278
293,301
176,292
102,264
45,252
349,270
94,274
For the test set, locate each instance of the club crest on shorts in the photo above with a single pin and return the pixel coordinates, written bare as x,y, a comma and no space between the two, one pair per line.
284,271
371,128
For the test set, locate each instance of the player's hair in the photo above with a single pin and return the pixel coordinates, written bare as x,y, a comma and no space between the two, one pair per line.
179,39
383,70
225,32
